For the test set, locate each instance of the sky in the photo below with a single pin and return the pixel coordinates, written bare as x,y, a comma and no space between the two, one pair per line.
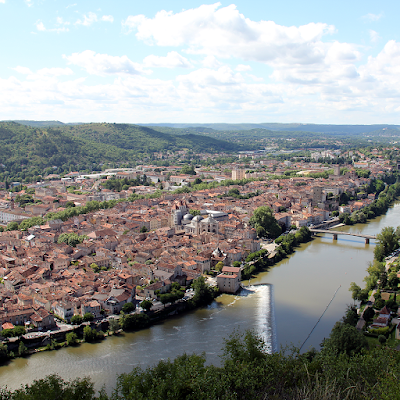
191,62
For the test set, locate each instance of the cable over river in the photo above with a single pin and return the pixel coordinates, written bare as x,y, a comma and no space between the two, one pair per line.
283,305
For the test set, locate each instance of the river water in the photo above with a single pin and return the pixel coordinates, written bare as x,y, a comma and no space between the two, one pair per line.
283,305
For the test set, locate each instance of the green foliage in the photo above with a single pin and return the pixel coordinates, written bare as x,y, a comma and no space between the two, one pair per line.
387,242
91,335
114,325
351,316
143,229
146,305
382,339
134,322
53,387
128,307
203,293
71,338
188,170
72,239
4,355
219,266
265,223
12,226
22,349
88,317
344,339
194,212
16,331
369,313
76,319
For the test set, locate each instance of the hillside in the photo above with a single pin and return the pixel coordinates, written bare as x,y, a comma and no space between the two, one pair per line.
142,139
27,152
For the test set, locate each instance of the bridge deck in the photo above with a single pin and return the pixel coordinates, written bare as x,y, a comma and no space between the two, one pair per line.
342,233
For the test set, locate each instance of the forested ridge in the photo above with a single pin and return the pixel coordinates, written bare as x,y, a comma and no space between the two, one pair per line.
27,152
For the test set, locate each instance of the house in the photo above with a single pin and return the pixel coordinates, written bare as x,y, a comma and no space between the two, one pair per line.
115,299
383,319
64,309
159,287
228,283
229,280
42,319
92,307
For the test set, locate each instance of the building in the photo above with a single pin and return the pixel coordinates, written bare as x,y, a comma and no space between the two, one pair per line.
238,174
229,280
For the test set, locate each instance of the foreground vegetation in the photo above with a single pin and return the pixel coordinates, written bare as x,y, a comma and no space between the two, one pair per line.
343,369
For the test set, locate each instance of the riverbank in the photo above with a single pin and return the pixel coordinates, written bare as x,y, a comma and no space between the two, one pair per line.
26,345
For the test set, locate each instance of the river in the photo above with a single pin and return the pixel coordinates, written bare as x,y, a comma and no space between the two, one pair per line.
283,305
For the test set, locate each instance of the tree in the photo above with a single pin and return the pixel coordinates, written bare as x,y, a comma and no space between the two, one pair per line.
54,387
90,335
128,307
202,292
219,266
146,305
12,226
368,313
344,338
88,317
355,290
72,239
265,223
165,298
351,316
76,319
387,242
22,349
134,321
114,325
71,338
143,229
19,330
3,353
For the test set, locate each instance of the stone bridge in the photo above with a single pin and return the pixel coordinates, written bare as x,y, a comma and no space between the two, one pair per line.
336,233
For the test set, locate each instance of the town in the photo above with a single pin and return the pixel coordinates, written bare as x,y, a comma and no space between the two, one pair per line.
99,261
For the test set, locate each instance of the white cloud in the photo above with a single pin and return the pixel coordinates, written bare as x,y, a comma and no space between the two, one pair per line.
60,21
172,60
41,28
211,62
242,67
104,64
29,3
23,70
107,18
224,32
374,36
91,18
372,17
255,78
87,19
44,72
2,1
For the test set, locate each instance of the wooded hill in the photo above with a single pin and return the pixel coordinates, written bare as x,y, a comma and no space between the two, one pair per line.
27,151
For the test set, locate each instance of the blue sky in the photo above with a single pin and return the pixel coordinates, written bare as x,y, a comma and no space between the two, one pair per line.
189,61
